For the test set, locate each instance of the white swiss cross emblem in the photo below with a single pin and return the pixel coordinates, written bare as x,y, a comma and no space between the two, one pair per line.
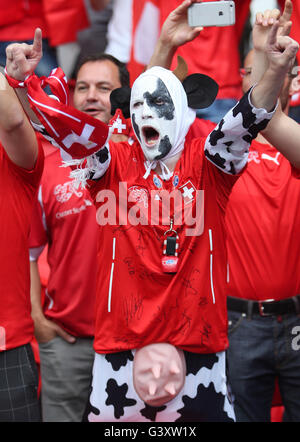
83,139
119,125
188,192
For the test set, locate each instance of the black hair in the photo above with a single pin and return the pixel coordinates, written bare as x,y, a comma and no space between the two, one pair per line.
123,71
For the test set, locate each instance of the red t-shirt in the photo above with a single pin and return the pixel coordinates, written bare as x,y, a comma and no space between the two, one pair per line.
65,219
18,190
263,225
137,303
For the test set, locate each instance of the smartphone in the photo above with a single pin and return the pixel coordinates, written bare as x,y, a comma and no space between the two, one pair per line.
220,13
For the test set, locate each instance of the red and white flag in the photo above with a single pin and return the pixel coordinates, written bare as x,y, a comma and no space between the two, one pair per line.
79,134
119,124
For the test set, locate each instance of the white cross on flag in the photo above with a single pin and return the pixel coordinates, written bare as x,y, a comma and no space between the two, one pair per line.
118,123
188,192
74,131
83,138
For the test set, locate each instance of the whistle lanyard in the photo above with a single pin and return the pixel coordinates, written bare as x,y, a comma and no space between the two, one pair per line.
171,237
170,250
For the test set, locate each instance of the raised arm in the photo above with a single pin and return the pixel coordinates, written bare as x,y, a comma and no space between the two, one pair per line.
263,22
21,61
79,134
281,52
282,131
284,134
16,134
175,32
228,144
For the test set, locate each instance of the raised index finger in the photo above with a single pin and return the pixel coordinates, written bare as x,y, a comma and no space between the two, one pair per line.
37,41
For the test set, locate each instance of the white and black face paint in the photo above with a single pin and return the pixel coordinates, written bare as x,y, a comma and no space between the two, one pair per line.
153,117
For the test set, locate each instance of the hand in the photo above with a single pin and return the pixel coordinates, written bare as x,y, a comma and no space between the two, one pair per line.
265,20
176,30
280,50
22,58
46,330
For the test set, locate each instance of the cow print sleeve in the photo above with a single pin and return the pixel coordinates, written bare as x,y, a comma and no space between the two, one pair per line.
227,146
90,168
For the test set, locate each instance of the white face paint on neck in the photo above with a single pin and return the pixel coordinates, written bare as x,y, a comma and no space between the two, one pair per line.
153,117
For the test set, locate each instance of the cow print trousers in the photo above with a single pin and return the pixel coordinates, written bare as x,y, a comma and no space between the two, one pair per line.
204,397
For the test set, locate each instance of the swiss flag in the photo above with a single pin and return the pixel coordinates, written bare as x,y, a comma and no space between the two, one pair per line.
119,124
79,134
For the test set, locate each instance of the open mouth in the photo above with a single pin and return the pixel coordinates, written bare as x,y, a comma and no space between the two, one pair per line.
91,110
151,135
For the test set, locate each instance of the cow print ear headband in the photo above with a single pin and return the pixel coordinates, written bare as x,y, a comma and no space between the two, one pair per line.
201,90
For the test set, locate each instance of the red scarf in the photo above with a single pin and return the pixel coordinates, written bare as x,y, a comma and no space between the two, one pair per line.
79,134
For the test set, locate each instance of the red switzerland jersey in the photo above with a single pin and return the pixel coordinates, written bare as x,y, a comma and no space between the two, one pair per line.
137,303
65,219
263,225
18,189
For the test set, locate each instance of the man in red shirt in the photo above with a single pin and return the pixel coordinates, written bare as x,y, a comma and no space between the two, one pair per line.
140,299
21,169
63,219
263,230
